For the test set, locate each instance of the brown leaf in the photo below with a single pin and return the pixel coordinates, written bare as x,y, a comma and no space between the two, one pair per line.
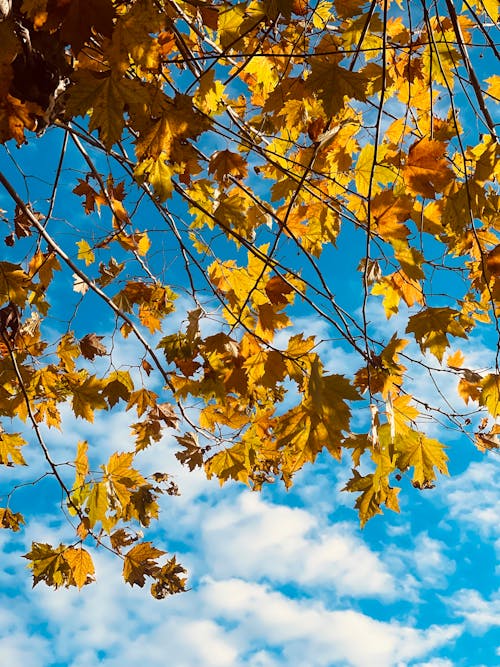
192,456
276,289
225,163
140,562
493,261
164,412
92,347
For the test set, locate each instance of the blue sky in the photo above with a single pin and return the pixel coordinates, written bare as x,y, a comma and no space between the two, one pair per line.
278,579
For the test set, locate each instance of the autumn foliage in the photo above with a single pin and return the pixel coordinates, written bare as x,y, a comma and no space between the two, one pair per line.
226,172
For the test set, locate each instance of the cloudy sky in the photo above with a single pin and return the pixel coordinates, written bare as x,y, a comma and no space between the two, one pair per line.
277,579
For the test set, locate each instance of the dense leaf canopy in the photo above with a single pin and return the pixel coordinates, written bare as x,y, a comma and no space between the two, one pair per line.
237,189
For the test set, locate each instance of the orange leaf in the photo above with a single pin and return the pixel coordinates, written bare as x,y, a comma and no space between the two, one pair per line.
226,163
427,171
81,565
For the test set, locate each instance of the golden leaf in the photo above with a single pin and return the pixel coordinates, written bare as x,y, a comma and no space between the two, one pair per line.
427,171
81,565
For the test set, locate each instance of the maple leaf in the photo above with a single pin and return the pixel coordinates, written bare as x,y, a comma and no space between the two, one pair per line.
121,538
50,565
10,449
86,393
97,503
11,520
389,212
427,171
14,283
168,581
210,96
141,562
370,173
16,117
92,197
121,479
91,346
416,450
119,386
277,289
81,565
225,163
107,96
230,463
164,412
333,83
142,399
431,328
146,432
395,287
85,252
490,393
192,455
81,463
375,491
67,351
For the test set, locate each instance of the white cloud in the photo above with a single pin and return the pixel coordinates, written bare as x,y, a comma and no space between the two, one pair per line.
480,614
432,565
435,662
22,648
421,567
251,538
309,634
473,499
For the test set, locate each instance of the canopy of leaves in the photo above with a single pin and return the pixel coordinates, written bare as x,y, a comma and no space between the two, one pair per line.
236,167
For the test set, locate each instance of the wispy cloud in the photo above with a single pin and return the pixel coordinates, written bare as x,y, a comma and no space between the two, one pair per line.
480,614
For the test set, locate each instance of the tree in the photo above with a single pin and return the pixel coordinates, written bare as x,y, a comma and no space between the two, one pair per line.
256,162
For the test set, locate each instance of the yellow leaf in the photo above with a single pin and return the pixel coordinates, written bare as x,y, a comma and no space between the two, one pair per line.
431,327
82,567
10,520
416,450
490,394
455,360
142,399
232,463
85,252
403,412
157,172
469,391
427,171
375,491
367,172
10,449
86,395
68,350
97,503
81,463
494,85
396,287
210,95
143,243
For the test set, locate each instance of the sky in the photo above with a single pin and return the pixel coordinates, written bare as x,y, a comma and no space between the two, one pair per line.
276,579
